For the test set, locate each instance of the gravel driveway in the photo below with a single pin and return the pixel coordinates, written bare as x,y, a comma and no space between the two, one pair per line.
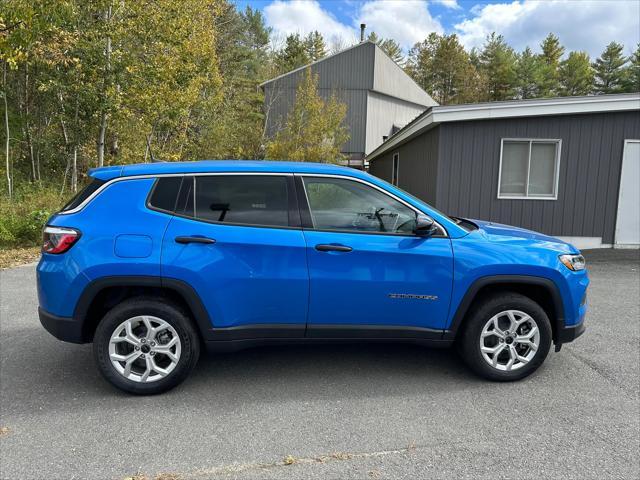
380,411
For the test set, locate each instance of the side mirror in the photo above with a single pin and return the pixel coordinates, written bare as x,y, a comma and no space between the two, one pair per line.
425,226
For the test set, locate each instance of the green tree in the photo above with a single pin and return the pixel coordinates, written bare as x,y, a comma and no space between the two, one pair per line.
442,67
632,77
293,55
609,69
389,46
528,74
498,63
314,129
171,73
315,46
88,72
550,58
576,74
22,25
233,128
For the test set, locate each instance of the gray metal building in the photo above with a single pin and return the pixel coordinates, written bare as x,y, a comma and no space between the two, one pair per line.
568,167
380,97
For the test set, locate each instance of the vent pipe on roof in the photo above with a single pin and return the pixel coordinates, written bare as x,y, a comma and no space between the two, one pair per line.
363,27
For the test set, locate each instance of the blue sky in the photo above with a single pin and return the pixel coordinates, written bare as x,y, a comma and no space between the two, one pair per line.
581,24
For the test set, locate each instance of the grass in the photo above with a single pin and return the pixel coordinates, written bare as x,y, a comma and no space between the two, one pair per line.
22,217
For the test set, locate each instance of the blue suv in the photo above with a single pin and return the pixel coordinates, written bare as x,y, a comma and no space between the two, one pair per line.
152,262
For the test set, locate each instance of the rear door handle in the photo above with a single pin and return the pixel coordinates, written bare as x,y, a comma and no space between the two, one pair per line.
204,240
333,248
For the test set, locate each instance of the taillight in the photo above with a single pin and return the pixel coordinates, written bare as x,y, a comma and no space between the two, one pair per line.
58,239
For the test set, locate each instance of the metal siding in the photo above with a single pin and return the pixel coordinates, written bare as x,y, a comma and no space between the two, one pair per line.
350,69
418,166
383,112
390,79
381,167
590,163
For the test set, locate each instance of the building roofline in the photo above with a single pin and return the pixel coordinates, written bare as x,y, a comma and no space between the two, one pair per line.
405,73
377,47
359,44
509,109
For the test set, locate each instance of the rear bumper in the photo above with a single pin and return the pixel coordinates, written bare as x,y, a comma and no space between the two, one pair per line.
570,333
63,328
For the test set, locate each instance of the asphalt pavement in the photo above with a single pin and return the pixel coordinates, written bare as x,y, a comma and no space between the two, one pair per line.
350,411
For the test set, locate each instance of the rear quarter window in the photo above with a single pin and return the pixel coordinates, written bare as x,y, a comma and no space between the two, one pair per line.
83,194
165,193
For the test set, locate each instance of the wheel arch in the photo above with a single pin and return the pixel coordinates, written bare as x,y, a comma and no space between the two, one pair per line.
541,290
104,293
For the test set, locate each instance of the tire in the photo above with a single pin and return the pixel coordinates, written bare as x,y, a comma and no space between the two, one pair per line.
168,361
491,319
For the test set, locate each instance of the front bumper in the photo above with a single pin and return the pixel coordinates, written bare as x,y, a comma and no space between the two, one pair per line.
63,328
570,333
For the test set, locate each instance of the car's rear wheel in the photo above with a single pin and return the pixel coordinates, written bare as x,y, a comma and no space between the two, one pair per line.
146,346
507,337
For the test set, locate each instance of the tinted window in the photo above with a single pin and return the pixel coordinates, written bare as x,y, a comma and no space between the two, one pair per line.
338,204
83,194
165,193
244,199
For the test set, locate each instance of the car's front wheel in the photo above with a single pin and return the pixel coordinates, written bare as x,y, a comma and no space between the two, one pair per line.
145,346
507,337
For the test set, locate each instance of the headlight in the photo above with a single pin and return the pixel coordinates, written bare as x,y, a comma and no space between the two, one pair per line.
573,262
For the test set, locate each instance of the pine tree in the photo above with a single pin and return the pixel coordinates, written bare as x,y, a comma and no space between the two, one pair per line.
315,46
552,51
550,57
632,77
314,129
442,67
389,46
293,55
609,70
498,63
529,74
576,74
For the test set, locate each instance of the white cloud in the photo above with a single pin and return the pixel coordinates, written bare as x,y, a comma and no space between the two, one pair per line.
452,4
585,25
407,22
303,16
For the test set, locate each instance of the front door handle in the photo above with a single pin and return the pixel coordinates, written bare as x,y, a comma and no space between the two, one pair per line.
204,240
333,248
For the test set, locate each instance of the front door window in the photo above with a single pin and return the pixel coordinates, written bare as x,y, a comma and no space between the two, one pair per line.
350,206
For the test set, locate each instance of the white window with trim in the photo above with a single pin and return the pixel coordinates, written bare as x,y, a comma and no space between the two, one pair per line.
529,169
395,169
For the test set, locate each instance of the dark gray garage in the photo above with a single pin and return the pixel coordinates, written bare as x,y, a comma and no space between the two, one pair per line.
568,167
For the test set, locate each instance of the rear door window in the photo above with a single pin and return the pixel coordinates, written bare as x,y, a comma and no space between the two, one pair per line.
260,200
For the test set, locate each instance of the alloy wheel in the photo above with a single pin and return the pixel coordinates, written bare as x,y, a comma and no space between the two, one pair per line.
144,349
509,340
